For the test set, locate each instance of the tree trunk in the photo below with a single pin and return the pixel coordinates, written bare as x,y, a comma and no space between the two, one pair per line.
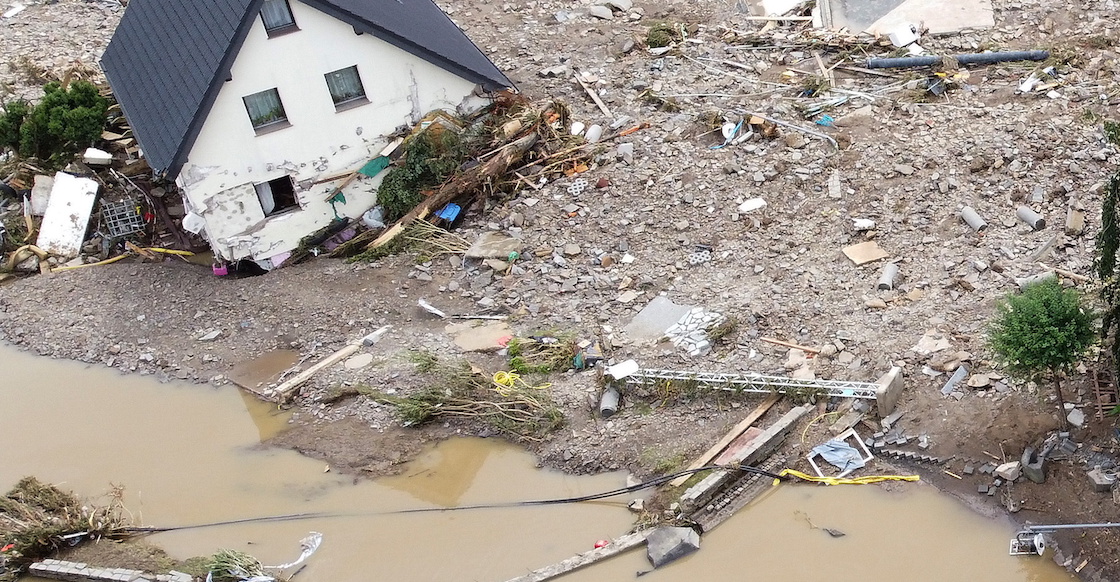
1062,422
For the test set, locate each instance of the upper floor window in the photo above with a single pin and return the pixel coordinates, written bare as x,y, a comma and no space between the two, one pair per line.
345,86
277,16
266,111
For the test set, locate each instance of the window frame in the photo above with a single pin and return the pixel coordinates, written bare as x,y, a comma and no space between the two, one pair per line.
283,28
290,187
268,126
349,102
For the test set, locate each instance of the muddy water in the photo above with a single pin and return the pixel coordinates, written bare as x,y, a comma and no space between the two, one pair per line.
191,455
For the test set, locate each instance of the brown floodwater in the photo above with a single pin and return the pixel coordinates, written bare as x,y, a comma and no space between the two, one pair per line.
191,455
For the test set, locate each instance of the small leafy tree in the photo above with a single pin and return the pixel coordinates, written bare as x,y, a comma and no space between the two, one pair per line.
63,122
1042,331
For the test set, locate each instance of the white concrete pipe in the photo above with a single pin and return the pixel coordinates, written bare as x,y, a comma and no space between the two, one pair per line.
886,280
1032,218
973,220
609,403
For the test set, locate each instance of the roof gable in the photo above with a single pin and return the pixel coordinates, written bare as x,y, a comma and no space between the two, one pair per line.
168,59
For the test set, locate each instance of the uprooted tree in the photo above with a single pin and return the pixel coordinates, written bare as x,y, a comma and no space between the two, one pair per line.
1042,332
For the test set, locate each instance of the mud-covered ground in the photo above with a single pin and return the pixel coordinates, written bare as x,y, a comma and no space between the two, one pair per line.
906,160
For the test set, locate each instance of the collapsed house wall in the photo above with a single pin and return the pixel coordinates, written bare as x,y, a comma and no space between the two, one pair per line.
235,174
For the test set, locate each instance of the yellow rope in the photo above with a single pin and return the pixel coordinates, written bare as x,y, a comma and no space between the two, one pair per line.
505,383
170,252
848,480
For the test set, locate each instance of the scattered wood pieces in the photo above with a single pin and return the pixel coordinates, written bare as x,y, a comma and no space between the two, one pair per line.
953,475
778,342
1065,273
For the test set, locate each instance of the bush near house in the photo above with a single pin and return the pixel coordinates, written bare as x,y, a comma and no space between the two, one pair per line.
63,122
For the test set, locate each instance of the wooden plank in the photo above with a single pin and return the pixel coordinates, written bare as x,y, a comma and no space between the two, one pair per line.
759,448
612,549
737,446
727,438
777,342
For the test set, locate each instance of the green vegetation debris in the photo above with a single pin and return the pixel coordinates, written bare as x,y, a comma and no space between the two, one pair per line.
62,123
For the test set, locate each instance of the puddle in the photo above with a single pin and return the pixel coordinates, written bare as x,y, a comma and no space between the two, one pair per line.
191,455
263,370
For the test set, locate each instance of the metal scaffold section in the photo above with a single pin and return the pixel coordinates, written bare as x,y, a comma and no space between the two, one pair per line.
758,383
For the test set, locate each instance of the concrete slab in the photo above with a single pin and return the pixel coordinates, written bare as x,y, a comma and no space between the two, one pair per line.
667,544
890,388
652,321
476,336
865,252
67,215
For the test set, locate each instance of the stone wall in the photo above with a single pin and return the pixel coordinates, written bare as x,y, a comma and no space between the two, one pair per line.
80,572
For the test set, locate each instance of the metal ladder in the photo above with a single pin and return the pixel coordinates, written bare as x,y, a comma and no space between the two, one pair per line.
756,383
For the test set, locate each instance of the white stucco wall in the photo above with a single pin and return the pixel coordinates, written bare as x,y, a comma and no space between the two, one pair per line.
229,157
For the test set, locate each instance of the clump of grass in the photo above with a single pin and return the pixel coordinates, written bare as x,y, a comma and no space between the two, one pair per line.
424,360
521,410
232,566
659,462
663,34
542,353
724,332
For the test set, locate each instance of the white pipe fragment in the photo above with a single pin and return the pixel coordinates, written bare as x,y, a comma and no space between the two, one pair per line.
1032,218
886,280
973,220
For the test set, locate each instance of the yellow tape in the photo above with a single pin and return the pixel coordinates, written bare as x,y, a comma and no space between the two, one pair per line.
848,480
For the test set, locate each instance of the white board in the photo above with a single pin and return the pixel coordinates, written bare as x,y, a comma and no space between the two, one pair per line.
67,216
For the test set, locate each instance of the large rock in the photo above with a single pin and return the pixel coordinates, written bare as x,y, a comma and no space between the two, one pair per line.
667,544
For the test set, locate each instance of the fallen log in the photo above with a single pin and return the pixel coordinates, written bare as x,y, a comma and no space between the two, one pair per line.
460,185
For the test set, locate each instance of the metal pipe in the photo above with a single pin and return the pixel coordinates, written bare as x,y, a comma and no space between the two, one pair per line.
973,219
964,59
1048,528
1034,219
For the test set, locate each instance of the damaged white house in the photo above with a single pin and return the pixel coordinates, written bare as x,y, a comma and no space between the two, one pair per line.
251,106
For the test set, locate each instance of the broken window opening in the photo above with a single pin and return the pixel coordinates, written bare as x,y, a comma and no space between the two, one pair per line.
277,17
266,110
346,87
277,196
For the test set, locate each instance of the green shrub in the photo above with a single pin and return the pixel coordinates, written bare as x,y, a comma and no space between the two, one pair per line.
429,158
63,122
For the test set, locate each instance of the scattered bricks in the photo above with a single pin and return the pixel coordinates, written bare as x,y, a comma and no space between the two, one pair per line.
901,441
969,469
982,489
1100,481
1034,465
997,482
880,443
987,469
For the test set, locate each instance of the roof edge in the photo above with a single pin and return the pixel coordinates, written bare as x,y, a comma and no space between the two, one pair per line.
361,25
178,160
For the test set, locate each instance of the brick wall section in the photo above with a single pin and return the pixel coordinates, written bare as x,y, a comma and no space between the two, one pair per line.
80,572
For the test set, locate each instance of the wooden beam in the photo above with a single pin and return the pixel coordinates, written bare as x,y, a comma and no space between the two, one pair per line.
727,438
776,342
594,96
614,548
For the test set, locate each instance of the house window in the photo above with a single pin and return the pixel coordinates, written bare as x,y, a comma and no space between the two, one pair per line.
277,17
277,195
345,86
265,110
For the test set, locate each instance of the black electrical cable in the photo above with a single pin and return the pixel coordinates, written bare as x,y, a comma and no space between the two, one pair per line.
593,497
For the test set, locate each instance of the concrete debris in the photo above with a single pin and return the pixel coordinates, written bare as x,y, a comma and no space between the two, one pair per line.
1100,480
1076,417
655,318
690,332
666,544
1009,471
865,252
67,215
